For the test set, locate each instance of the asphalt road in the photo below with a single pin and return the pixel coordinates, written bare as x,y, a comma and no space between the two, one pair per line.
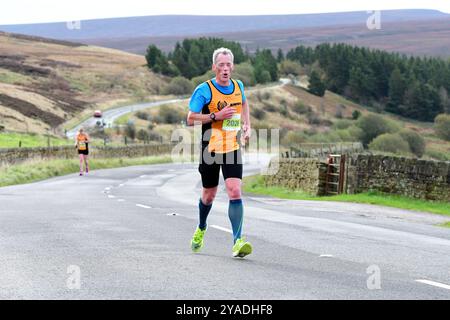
125,234
109,116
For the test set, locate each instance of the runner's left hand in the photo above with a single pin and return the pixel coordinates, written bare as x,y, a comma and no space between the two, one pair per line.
246,133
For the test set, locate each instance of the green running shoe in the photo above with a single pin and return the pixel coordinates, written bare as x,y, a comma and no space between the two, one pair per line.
197,240
242,248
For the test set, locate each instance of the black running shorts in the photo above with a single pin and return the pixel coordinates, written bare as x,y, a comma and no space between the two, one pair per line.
85,151
211,162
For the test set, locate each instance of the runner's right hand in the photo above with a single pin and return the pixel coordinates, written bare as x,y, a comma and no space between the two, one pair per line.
225,113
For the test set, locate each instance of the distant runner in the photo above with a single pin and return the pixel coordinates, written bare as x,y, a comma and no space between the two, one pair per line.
82,145
220,105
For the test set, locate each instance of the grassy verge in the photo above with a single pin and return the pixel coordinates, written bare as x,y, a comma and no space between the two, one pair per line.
255,185
38,170
123,120
11,140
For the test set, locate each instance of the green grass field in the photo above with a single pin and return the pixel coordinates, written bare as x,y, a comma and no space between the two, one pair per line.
255,185
32,171
12,140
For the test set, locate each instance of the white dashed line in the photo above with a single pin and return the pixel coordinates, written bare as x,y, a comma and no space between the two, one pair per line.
111,196
143,206
121,200
221,228
326,256
143,176
172,214
435,284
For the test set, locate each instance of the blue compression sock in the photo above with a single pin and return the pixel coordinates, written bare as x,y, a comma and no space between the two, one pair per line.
236,215
203,213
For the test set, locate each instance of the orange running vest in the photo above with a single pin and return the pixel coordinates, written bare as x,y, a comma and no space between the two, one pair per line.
223,135
81,138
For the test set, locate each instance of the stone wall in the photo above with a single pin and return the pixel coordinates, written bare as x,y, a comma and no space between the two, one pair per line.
413,178
19,155
296,173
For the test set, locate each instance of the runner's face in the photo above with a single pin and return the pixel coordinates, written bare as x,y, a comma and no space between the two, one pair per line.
223,68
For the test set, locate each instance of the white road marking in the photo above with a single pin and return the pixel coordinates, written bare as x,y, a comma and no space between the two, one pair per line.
143,206
108,188
221,228
120,200
121,185
111,196
435,284
143,176
326,256
173,214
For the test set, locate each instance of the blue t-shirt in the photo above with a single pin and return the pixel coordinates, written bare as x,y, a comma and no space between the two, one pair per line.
202,94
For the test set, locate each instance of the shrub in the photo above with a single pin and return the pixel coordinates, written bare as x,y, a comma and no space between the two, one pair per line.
390,142
258,113
356,133
170,115
245,73
288,67
205,77
262,76
143,135
301,108
179,86
328,137
342,124
313,118
373,125
442,126
266,95
356,114
415,141
293,138
284,111
143,115
130,130
154,136
269,107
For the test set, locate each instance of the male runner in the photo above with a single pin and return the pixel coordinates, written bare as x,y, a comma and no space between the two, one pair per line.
220,105
81,143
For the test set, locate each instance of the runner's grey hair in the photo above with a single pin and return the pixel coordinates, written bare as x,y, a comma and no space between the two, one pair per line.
223,51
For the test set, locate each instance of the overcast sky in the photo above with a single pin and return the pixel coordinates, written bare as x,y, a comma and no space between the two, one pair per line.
34,11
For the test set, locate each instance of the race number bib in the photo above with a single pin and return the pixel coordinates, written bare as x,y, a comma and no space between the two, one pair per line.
81,145
232,124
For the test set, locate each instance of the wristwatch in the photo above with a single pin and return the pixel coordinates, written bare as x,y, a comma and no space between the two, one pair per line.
213,116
